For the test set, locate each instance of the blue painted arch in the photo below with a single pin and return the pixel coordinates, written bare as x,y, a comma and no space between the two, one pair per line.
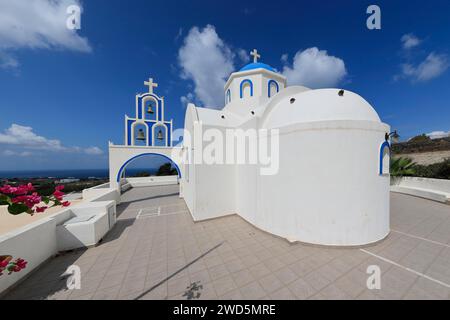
383,145
269,84
119,173
242,87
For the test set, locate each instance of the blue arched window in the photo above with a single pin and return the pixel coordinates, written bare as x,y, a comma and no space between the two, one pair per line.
228,96
247,83
272,88
385,151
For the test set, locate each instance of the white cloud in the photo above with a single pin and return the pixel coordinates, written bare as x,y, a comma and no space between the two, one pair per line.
244,56
24,137
7,61
438,134
36,24
10,153
284,58
207,61
187,99
410,41
433,66
314,68
93,151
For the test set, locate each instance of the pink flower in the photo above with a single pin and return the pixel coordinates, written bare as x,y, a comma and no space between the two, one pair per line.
29,200
7,189
41,209
58,195
19,199
21,263
4,263
65,203
59,188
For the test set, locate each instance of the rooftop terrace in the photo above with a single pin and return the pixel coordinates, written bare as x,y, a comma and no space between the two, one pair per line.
156,251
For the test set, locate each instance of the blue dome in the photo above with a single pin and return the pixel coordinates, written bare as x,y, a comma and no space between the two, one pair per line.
257,65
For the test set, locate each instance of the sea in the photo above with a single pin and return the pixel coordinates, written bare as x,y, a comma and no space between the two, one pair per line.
77,174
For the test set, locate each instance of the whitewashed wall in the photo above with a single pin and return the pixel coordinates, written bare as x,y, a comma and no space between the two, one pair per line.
152,181
432,189
35,243
328,190
101,193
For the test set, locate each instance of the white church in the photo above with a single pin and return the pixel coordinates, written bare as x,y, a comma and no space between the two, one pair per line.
331,186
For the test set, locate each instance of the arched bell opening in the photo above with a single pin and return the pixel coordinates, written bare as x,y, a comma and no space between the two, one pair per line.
150,106
160,135
140,134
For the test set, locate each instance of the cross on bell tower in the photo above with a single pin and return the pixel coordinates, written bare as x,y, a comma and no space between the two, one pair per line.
255,55
150,85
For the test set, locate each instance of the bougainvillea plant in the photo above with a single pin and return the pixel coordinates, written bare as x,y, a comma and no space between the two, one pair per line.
7,263
23,198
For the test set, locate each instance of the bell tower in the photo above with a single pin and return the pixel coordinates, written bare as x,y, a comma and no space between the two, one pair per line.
251,86
149,127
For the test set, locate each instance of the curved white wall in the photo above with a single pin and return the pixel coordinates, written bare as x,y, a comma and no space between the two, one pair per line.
328,190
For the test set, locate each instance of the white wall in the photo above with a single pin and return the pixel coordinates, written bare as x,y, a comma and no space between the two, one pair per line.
100,193
432,189
187,183
35,243
152,181
215,186
328,190
442,185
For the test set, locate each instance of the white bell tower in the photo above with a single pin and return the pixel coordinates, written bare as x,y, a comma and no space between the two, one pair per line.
252,86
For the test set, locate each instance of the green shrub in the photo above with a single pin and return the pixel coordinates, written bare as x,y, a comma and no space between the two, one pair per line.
439,170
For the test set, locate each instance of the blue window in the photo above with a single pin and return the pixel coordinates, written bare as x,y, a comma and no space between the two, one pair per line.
385,151
246,85
272,88
228,96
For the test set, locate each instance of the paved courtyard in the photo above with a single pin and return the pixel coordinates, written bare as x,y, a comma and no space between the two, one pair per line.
156,251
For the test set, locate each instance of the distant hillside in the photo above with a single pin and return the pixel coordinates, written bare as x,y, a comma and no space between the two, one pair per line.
423,150
421,144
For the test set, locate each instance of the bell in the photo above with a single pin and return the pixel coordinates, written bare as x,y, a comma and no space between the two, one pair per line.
160,135
150,110
140,135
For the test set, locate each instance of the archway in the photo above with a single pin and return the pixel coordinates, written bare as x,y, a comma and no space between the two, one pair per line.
385,153
124,165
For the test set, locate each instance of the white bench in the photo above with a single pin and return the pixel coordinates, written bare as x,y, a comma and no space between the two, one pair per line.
432,189
86,225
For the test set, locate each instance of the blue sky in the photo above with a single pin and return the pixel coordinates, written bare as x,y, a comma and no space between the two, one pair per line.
63,95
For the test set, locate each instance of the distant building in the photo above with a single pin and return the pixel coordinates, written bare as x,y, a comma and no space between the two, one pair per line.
67,180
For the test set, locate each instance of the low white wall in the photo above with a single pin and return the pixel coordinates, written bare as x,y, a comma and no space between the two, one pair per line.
433,189
152,181
35,243
442,185
101,193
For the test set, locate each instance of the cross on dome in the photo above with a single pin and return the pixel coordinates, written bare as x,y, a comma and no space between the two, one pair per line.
150,85
255,55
